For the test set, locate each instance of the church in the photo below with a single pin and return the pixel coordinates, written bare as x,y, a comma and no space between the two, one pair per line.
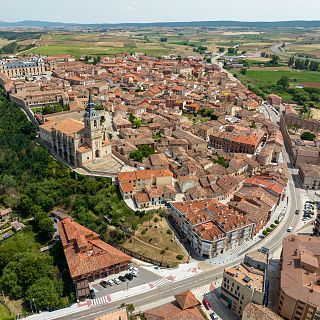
78,142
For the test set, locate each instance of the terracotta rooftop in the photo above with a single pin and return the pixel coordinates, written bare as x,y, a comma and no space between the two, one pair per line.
184,308
69,127
201,212
257,312
186,300
247,276
301,268
85,252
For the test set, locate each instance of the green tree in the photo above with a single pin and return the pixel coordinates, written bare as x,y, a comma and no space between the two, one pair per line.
274,60
291,61
243,71
222,161
46,229
309,136
284,82
45,294
232,50
221,49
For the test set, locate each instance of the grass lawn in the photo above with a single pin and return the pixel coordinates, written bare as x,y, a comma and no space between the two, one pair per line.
36,110
152,237
5,313
272,76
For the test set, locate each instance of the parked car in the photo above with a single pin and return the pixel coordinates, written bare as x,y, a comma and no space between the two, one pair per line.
289,229
134,269
213,316
116,281
129,276
122,278
92,294
103,283
206,304
110,282
135,274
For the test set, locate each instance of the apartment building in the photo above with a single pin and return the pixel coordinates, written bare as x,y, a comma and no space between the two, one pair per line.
210,227
132,182
299,293
310,176
237,141
245,283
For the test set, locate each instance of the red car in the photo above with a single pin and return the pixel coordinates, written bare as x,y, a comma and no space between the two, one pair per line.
206,304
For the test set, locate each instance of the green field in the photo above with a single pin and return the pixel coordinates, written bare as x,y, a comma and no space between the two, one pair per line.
78,51
272,76
5,313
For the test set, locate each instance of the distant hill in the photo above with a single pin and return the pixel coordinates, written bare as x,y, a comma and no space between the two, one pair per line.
213,24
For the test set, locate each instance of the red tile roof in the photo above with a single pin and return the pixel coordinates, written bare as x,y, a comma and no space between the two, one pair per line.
85,252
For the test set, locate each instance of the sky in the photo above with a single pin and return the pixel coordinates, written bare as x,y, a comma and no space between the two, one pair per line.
115,11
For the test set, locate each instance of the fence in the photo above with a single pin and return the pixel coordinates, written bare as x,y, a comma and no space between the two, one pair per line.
147,259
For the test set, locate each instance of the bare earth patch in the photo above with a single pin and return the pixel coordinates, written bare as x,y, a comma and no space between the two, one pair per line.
315,114
154,239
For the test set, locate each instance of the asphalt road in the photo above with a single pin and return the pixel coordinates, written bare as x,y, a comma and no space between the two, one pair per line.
272,241
276,48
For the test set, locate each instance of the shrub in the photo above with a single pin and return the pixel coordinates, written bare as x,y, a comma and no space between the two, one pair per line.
169,232
276,221
265,232
179,257
156,220
162,252
309,136
166,248
272,226
268,230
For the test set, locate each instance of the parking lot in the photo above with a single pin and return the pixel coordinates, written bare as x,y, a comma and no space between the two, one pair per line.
310,210
144,276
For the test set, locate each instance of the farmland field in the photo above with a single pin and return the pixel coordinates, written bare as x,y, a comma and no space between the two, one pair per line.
272,76
165,41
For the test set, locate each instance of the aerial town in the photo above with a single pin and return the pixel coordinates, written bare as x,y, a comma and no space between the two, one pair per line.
194,155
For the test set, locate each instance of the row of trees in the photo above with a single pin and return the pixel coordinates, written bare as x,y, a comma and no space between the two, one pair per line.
303,64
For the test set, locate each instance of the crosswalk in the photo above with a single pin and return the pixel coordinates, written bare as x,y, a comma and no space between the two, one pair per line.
161,282
100,300
200,292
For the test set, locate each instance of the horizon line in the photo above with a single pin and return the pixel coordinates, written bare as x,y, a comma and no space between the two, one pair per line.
158,22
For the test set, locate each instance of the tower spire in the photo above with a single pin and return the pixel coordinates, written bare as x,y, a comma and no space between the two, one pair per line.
90,103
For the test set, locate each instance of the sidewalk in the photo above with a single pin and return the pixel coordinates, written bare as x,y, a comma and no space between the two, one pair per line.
77,307
183,271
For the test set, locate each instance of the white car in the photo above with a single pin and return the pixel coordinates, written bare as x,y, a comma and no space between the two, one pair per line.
289,229
135,269
110,282
116,281
134,273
